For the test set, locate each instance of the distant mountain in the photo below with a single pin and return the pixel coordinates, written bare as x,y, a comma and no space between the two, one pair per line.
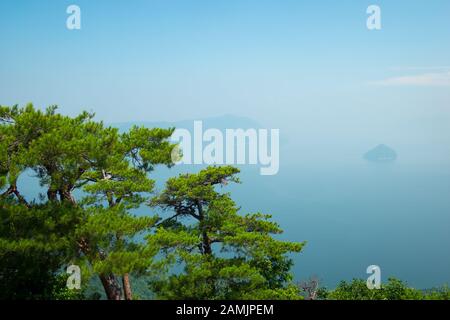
221,122
381,153
227,121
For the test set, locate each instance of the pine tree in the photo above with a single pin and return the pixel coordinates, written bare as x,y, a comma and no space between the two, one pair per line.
221,254
107,169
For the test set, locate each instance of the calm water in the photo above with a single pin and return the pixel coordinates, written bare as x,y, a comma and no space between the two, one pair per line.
352,217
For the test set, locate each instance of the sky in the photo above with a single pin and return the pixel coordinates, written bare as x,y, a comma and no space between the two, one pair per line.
310,68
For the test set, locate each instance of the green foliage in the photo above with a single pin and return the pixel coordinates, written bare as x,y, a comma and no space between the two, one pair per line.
61,292
34,243
223,255
394,289
72,155
112,231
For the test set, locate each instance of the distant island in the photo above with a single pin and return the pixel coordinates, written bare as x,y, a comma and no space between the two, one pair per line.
381,153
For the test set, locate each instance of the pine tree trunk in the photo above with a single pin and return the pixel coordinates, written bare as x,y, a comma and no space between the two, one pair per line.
111,286
52,195
127,287
206,242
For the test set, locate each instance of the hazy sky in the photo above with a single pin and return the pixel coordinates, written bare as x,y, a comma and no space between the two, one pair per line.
311,68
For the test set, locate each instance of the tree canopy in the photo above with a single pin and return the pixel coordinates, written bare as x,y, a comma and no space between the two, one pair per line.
393,289
110,172
224,255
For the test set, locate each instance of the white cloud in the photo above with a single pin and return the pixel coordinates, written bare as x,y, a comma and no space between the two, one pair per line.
436,79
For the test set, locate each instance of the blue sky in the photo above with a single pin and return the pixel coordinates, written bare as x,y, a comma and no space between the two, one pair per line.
298,65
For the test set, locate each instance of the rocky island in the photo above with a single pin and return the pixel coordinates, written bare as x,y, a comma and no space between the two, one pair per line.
381,153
